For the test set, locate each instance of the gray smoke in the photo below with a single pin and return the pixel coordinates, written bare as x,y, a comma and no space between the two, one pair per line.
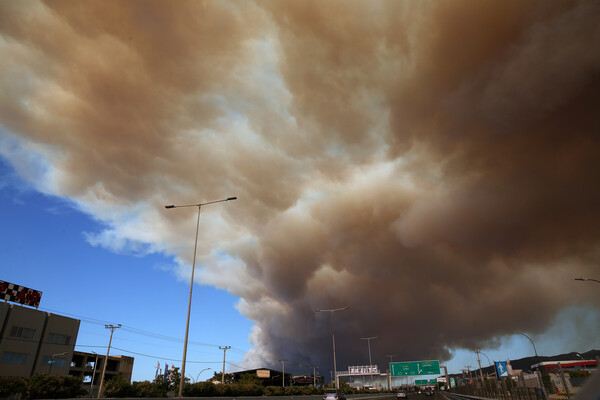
416,161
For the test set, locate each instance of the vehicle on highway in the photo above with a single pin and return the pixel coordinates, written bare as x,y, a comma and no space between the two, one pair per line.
429,392
401,394
334,394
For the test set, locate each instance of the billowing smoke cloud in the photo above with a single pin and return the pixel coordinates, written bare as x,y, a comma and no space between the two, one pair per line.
415,161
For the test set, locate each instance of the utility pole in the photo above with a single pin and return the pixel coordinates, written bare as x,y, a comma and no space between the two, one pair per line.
224,348
283,372
390,370
112,330
479,362
314,367
446,373
368,339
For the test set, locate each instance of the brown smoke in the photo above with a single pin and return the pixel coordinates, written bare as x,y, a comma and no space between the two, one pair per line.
431,160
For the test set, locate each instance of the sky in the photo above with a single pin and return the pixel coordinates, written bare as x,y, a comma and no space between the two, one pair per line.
431,165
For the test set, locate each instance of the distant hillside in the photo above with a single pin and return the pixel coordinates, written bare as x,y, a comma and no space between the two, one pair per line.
526,363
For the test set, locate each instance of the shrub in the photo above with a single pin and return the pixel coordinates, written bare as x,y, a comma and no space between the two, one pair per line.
200,389
274,391
117,387
55,387
12,385
150,389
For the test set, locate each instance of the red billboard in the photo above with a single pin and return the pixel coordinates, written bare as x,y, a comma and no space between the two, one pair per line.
19,294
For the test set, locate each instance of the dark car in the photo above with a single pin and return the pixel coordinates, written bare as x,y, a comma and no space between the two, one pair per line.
334,394
429,392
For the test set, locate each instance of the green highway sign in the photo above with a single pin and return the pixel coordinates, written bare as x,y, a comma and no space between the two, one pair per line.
431,367
423,382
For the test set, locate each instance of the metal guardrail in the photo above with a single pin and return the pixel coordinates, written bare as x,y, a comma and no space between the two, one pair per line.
456,396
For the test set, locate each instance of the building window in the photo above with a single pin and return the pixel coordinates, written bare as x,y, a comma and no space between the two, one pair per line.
58,362
56,338
14,358
21,332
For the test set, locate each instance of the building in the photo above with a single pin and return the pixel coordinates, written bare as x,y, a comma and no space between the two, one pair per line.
267,377
88,367
35,342
553,366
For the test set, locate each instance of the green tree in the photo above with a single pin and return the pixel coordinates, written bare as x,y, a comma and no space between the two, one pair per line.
55,387
217,377
156,388
200,389
117,387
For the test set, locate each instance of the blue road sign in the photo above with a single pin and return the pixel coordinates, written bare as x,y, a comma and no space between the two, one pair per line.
502,369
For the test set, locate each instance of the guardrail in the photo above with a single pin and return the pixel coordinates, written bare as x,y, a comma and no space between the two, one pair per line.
456,396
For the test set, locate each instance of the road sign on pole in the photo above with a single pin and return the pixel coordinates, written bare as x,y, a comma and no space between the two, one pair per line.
431,367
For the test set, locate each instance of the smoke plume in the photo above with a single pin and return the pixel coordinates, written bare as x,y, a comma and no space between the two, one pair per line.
415,161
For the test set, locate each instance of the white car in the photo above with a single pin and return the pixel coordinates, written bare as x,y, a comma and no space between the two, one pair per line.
401,394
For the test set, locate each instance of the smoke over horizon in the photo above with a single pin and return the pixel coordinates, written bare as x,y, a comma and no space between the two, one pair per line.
405,159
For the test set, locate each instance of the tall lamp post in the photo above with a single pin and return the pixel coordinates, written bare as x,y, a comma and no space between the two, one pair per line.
368,339
537,359
187,323
333,339
94,374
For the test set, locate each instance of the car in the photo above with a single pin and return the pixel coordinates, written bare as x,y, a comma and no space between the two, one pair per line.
401,394
429,392
334,394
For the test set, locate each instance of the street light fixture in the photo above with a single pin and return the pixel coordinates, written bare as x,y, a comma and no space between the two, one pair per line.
187,324
534,350
333,339
198,376
368,339
52,362
587,279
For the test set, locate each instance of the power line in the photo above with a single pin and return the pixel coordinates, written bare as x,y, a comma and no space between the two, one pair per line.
137,331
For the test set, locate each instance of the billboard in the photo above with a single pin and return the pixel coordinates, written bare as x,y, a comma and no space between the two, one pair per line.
20,294
263,373
363,370
431,367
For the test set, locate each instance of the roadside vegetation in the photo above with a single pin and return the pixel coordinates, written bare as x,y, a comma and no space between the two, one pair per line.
60,387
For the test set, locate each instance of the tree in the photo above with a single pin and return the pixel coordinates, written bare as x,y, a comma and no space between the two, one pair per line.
12,386
218,377
55,387
117,387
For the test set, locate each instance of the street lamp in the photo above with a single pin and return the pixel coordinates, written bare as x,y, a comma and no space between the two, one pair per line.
333,339
537,359
198,376
52,362
534,350
94,374
368,339
187,324
587,279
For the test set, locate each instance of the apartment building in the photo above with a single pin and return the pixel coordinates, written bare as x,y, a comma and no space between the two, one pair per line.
88,367
35,342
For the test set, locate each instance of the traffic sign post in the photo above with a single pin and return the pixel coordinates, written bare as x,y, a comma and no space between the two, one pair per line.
431,367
